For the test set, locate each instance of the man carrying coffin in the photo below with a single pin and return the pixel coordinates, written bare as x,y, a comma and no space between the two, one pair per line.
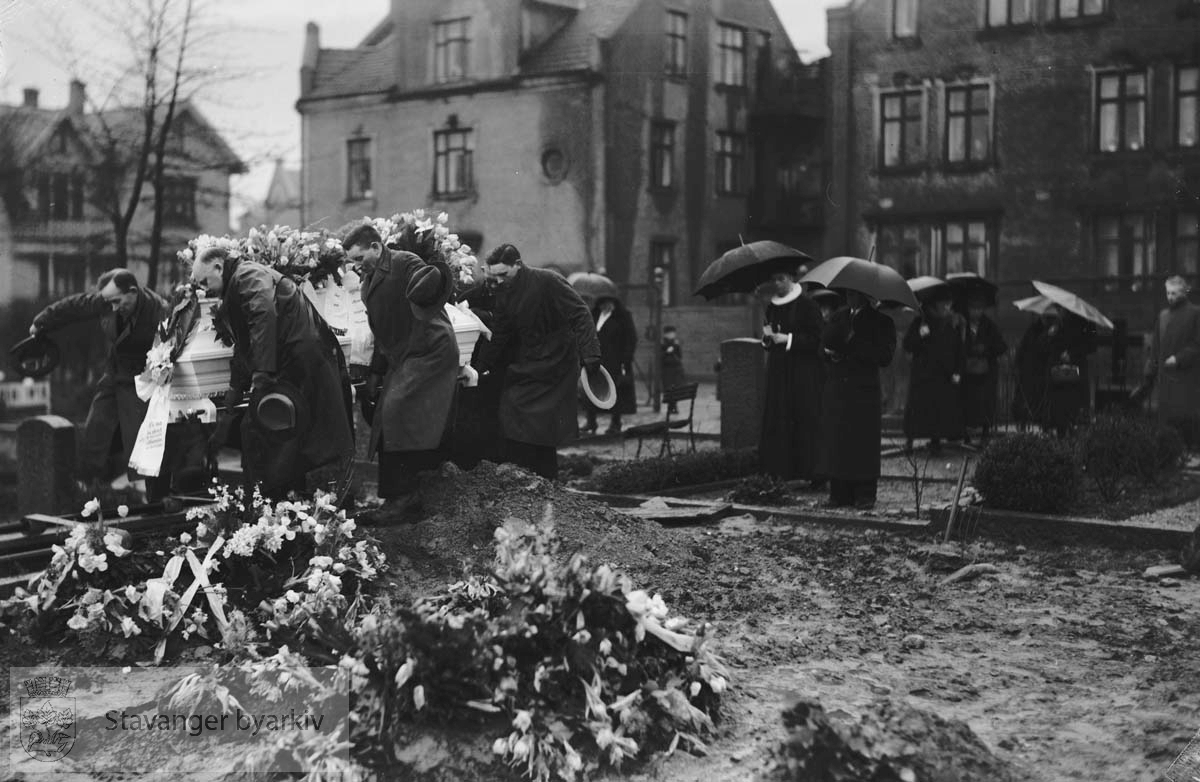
298,419
129,315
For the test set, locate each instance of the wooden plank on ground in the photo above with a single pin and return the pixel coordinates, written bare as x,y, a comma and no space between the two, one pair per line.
1163,571
678,513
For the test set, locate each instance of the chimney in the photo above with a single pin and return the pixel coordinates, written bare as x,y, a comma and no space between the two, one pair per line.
31,98
78,97
308,65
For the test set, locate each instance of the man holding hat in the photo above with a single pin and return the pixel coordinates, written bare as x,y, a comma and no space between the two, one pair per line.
129,315
298,419
415,369
542,333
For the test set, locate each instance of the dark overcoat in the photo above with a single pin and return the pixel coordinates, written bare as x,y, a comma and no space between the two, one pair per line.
1038,400
789,442
543,329
115,406
859,345
983,346
275,330
1176,333
618,341
420,356
672,363
933,408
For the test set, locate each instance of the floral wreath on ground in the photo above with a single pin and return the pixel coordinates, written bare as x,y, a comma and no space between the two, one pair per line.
428,238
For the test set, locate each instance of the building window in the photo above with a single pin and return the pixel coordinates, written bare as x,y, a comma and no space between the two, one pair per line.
358,169
903,247
662,154
1187,105
1121,111
969,123
731,153
1124,246
731,56
676,54
452,164
965,247
662,256
1005,13
901,122
450,50
179,201
1187,244
1078,9
60,196
904,18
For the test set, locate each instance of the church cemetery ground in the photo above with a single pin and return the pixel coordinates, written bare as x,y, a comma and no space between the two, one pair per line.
1057,662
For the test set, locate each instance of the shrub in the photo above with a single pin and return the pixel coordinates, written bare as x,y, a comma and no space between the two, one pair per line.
760,490
686,469
1028,472
1115,450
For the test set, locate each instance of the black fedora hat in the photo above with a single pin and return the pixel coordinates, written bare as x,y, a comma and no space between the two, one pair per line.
280,412
35,357
429,289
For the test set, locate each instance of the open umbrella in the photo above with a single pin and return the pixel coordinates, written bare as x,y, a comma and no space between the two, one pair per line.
593,287
744,268
1036,304
874,279
968,284
1072,303
926,288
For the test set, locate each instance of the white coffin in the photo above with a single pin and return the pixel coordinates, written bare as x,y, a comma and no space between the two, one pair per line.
467,328
202,367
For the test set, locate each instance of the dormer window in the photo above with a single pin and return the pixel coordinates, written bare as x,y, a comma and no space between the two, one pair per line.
450,43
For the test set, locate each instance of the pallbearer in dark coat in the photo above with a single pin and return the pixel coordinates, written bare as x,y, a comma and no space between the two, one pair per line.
542,334
128,314
278,339
857,342
933,340
618,341
415,368
983,345
788,445
1174,363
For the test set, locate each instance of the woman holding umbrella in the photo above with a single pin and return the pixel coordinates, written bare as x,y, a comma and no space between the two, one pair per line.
1052,373
618,341
983,345
933,408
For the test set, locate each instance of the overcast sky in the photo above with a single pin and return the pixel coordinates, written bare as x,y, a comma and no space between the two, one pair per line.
256,113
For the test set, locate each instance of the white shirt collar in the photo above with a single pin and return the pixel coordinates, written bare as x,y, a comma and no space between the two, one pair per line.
600,321
790,296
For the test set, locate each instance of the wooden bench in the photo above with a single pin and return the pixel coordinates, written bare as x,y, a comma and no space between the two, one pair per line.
672,397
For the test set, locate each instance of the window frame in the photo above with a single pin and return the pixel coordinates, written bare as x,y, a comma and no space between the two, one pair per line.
443,153
943,245
179,199
921,129
731,160
662,151
355,190
967,114
450,37
1131,278
1009,6
675,54
884,229
915,13
1192,239
1121,102
729,55
1055,8
1177,96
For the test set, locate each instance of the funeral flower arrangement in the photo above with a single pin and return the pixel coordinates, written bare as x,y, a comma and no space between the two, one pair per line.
428,237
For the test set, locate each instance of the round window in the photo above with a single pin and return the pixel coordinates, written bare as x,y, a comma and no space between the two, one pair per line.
554,164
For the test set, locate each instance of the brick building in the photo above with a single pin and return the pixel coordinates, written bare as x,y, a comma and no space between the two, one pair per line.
1049,139
609,135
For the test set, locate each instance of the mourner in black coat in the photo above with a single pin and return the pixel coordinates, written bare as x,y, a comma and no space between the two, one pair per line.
933,409
475,435
618,341
788,444
983,345
129,316
279,340
1052,371
857,342
542,334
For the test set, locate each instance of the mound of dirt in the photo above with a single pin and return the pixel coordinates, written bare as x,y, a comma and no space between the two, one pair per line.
893,742
463,509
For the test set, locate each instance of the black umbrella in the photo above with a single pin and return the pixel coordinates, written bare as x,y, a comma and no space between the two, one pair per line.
593,287
744,268
873,279
967,285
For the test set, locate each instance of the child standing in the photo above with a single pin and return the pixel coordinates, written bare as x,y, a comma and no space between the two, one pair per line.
672,361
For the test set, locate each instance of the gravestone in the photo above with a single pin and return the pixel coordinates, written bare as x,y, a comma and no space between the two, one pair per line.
45,465
741,386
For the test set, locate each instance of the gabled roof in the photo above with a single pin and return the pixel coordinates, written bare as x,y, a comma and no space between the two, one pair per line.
125,125
285,186
354,71
23,130
571,48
